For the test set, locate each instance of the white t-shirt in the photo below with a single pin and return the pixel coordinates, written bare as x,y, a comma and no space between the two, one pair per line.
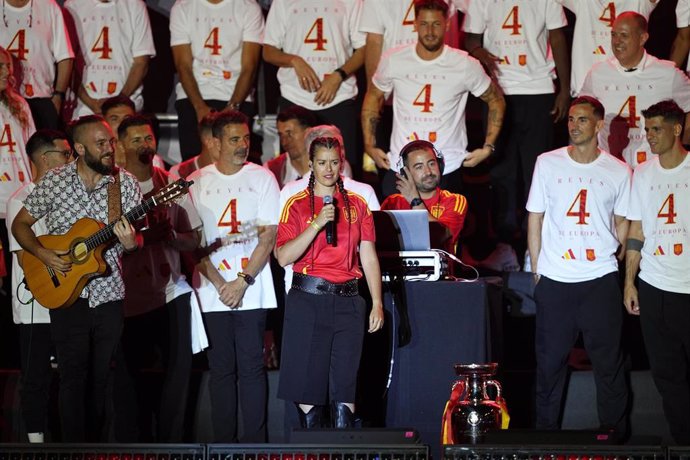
37,38
216,33
152,274
517,31
592,35
660,199
429,99
291,188
111,34
578,236
626,94
394,19
33,312
15,169
683,17
231,207
324,34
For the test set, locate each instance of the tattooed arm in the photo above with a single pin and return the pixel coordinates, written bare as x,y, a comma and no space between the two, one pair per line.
371,114
497,107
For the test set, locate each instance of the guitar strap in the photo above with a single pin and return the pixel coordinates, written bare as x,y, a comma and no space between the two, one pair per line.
114,199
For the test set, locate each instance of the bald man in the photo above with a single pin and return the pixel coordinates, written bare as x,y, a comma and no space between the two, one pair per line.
628,83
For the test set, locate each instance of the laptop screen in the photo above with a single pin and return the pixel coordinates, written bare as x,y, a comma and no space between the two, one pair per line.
403,230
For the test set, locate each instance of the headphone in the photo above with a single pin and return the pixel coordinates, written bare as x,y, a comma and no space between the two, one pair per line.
420,145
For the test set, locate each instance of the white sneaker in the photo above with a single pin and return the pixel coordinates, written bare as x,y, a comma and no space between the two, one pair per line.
502,259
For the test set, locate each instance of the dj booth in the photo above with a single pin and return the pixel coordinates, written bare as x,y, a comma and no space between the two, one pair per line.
430,326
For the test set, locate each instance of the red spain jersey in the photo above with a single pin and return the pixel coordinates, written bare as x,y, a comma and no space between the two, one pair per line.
336,264
449,209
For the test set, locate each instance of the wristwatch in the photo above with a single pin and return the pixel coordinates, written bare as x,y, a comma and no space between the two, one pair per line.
416,202
249,279
342,73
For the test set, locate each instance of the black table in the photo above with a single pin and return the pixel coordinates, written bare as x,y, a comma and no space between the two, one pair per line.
449,323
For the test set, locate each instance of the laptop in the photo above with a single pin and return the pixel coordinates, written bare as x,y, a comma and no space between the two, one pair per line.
403,230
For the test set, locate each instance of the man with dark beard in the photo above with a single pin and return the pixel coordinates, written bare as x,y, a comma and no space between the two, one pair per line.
430,83
157,301
418,184
86,333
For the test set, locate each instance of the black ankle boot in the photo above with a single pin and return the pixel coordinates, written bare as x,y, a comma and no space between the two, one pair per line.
311,419
342,416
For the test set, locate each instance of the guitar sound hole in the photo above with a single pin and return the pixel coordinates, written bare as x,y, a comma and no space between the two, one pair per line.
80,252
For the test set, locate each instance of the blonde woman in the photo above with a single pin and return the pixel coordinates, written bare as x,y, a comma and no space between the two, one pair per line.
16,126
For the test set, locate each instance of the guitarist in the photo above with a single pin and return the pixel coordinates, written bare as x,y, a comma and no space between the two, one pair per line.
86,333
157,298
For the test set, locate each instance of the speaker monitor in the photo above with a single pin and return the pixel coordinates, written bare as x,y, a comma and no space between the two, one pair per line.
371,436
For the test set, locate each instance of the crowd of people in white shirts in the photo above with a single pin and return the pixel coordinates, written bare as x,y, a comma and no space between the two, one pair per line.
91,57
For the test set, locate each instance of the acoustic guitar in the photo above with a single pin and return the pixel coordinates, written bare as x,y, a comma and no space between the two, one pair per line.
85,242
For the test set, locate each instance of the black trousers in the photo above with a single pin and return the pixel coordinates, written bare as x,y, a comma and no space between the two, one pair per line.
9,336
527,132
594,308
44,114
235,358
345,116
35,345
322,347
665,321
159,337
85,340
188,126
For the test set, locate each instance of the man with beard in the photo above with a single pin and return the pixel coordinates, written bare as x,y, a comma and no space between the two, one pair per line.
418,184
238,206
430,84
576,224
87,332
658,243
157,300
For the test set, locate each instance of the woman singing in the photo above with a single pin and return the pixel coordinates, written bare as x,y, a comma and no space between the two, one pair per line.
324,314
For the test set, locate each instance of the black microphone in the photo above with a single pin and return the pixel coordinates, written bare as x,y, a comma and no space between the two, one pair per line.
330,237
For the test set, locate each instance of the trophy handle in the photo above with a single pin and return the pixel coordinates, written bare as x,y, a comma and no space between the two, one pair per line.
496,385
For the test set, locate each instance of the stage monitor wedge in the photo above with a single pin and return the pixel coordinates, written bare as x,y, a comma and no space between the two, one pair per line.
366,436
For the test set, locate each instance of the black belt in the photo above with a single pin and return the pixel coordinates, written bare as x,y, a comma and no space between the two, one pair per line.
320,286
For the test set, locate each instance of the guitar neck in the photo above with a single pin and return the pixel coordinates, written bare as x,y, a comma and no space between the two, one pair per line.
106,234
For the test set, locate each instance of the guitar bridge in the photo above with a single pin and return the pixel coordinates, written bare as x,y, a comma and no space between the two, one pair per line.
53,277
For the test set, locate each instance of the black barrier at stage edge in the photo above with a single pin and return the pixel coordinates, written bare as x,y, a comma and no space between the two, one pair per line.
678,453
317,452
334,452
212,452
553,452
102,452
